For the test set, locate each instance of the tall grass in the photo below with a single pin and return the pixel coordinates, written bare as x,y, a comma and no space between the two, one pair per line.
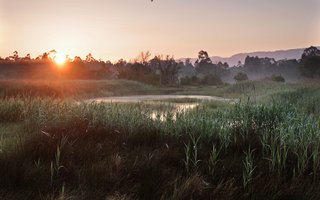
96,150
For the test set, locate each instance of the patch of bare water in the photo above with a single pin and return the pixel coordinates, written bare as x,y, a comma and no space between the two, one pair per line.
178,103
141,98
177,108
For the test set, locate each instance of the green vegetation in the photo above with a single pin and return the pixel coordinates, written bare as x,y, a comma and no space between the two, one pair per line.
310,62
241,77
162,70
84,89
73,89
265,146
245,89
278,78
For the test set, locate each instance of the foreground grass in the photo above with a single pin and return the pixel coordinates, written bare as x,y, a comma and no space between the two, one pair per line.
55,149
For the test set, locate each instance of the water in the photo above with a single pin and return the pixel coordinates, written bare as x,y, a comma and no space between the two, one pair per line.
176,108
177,103
143,98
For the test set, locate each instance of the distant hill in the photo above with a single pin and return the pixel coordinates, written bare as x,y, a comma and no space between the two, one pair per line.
278,55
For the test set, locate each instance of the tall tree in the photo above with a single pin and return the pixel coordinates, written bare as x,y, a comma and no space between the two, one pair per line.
310,62
310,52
15,56
167,67
90,58
143,57
204,64
203,58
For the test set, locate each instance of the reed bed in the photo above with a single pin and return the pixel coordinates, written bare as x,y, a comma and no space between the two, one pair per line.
66,150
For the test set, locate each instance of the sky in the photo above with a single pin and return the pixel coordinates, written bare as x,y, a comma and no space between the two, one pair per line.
114,29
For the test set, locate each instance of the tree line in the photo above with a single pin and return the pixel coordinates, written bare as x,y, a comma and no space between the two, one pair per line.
164,70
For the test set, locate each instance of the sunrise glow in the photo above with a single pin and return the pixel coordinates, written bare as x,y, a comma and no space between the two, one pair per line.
59,58
103,28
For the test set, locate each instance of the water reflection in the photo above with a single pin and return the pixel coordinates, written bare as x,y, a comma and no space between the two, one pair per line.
176,108
164,107
143,98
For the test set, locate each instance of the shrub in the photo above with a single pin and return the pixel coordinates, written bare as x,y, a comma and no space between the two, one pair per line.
278,78
193,80
211,79
240,77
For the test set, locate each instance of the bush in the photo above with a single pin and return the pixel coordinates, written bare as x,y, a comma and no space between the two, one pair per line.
241,77
194,80
278,78
211,79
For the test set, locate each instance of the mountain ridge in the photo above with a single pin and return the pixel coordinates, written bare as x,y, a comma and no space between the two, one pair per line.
276,54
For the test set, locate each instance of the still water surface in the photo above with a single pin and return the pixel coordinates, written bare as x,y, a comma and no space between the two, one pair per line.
178,103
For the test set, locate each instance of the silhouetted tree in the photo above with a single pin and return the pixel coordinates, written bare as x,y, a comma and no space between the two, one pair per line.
186,69
310,62
168,69
15,56
203,58
45,56
77,59
28,57
120,63
90,58
310,52
252,64
204,64
188,61
260,66
143,58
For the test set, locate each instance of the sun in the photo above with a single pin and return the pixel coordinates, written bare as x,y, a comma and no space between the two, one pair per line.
60,59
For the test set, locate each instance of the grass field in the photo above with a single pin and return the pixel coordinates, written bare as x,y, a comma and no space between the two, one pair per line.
266,146
78,89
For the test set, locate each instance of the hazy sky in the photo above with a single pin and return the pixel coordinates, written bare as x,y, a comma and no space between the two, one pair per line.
113,29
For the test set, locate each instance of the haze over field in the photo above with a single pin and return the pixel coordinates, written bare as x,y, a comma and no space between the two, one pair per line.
111,29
